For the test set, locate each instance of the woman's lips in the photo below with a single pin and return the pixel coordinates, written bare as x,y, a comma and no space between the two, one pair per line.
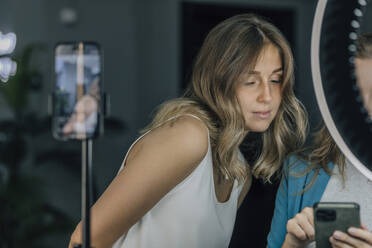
262,114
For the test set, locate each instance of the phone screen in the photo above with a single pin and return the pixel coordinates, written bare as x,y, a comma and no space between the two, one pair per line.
77,92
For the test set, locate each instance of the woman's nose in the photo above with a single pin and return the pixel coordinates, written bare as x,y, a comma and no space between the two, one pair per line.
265,93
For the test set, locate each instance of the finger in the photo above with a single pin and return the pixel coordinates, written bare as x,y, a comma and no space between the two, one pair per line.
333,242
346,239
295,229
362,234
338,244
309,212
303,221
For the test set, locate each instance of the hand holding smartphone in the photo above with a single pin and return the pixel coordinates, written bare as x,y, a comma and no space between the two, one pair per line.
332,216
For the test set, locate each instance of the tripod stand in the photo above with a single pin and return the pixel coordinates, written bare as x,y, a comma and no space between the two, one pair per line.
78,108
86,191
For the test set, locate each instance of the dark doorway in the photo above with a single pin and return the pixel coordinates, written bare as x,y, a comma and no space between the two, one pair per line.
198,19
254,216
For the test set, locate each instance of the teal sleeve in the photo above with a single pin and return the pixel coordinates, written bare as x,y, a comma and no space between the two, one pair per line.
288,200
278,228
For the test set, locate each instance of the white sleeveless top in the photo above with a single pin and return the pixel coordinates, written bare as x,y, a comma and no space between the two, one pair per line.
188,216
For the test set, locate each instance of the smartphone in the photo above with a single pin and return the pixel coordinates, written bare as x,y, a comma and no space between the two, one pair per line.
331,216
77,104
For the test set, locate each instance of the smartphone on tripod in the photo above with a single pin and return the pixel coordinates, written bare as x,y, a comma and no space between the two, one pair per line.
77,95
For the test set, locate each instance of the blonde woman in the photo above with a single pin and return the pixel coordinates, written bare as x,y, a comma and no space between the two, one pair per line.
321,173
183,180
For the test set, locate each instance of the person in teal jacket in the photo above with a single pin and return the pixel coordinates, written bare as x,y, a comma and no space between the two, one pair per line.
289,201
304,180
321,173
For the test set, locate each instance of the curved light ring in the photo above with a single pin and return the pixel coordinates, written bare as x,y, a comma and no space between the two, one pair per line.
319,93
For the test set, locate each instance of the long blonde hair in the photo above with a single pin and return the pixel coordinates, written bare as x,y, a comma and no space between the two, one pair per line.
227,50
319,155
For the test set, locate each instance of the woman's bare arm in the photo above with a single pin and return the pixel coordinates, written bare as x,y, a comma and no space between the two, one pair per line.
155,165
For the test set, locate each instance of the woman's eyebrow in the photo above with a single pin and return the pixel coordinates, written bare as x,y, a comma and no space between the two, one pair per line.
253,73
258,73
278,70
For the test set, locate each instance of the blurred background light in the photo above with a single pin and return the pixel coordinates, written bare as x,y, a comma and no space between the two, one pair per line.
7,68
7,43
68,16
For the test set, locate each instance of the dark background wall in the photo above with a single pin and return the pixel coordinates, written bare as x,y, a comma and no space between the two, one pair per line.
148,47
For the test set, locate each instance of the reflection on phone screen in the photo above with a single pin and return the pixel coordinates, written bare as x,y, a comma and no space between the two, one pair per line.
77,91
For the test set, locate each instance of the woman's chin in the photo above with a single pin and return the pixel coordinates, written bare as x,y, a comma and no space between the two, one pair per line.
258,129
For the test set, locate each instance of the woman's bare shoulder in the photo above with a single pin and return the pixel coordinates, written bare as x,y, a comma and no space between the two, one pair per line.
184,138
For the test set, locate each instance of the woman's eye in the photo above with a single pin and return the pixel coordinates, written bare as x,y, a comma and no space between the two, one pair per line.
277,81
249,83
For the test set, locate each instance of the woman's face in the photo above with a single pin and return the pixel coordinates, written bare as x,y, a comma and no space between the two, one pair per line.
363,72
259,91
